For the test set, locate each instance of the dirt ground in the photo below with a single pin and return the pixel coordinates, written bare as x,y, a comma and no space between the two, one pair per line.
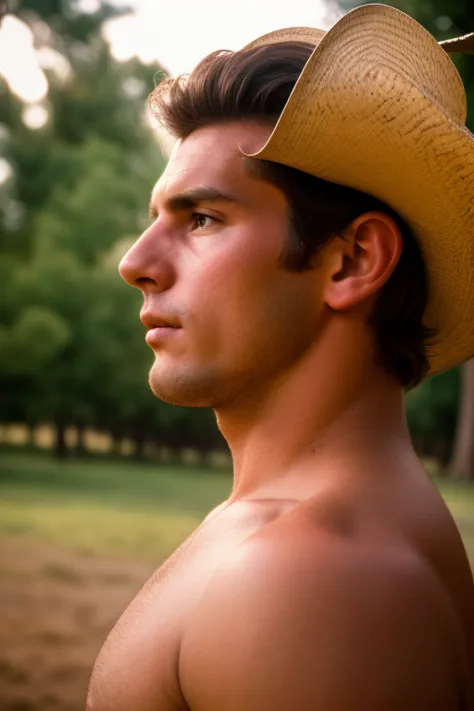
57,606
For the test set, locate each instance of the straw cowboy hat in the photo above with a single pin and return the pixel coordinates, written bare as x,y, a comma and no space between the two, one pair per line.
380,107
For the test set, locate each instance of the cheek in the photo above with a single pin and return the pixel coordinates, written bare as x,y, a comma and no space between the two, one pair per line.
229,270
238,283
245,303
288,316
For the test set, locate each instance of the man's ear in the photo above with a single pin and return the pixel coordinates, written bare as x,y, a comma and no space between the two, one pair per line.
361,260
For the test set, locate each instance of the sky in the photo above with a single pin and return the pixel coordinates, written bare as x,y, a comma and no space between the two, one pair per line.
178,33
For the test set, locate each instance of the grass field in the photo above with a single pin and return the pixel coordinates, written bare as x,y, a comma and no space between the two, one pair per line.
106,507
77,541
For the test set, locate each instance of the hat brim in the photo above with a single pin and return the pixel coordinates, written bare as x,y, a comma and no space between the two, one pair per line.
380,107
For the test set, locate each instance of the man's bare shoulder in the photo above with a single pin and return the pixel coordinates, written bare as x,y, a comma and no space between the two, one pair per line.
296,620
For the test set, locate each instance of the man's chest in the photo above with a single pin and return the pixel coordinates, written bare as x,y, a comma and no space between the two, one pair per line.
138,667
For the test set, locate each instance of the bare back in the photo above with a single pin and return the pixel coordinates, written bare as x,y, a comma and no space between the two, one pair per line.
141,665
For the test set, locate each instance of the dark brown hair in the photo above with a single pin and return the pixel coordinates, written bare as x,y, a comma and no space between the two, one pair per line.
255,84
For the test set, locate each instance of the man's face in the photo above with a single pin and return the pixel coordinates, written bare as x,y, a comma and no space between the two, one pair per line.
210,265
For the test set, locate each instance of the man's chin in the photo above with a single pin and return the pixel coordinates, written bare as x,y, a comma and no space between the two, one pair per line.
181,389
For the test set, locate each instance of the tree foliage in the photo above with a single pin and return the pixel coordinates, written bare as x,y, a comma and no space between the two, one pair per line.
72,349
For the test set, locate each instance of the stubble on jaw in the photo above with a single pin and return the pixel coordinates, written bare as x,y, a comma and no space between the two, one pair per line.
191,389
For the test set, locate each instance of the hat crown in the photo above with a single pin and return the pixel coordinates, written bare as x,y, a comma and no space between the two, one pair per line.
388,40
384,38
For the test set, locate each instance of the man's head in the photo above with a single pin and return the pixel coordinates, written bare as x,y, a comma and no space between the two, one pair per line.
258,276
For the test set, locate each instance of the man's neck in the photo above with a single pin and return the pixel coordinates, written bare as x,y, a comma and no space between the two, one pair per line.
330,410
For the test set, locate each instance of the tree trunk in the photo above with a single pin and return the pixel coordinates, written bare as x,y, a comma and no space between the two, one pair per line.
116,442
462,462
138,447
60,448
31,436
203,456
81,450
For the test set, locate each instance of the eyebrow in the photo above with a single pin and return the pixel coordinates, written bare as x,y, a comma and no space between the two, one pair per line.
190,199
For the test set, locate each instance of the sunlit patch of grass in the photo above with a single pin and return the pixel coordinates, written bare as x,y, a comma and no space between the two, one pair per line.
459,496
145,534
113,482
144,511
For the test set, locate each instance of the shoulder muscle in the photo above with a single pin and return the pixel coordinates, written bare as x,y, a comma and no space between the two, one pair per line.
332,626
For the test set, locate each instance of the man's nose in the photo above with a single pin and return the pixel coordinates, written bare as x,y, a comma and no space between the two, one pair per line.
145,263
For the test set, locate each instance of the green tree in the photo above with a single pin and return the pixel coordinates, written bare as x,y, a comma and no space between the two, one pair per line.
72,348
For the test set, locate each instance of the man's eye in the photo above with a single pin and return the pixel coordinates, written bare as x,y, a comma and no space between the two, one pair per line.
200,220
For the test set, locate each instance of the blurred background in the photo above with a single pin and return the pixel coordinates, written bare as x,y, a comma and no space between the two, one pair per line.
100,481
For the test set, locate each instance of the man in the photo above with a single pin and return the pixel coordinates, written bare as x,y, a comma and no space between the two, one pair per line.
298,290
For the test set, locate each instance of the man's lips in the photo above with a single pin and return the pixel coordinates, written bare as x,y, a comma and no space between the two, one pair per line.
154,320
157,335
159,327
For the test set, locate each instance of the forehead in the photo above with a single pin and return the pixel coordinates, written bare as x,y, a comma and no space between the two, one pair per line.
212,156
